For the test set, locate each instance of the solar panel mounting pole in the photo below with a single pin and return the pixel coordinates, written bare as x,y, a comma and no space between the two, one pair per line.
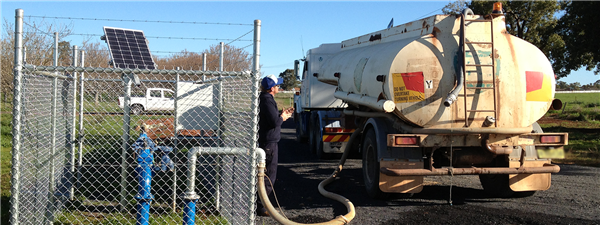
125,140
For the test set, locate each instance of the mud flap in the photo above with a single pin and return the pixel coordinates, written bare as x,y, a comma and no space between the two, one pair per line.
400,184
529,182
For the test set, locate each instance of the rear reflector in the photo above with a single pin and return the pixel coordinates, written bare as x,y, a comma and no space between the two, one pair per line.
550,139
406,140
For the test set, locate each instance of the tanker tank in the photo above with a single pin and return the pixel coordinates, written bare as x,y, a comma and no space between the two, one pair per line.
416,65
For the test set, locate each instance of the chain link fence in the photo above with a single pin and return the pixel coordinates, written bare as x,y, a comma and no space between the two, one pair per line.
97,145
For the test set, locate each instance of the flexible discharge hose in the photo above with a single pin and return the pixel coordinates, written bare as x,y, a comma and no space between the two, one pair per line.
342,219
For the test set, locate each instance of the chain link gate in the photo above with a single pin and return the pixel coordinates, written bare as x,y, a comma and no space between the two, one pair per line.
75,159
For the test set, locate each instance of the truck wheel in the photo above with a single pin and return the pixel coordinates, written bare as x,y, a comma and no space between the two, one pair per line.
319,145
496,185
300,137
137,109
311,135
370,165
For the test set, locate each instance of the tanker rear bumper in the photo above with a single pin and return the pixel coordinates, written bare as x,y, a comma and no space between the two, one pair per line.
528,168
548,145
546,168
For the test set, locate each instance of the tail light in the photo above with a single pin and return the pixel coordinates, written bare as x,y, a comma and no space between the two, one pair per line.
551,139
333,130
406,140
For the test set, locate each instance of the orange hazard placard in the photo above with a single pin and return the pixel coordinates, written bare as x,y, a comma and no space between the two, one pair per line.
408,87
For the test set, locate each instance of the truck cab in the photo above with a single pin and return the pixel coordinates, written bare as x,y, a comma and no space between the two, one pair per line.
318,112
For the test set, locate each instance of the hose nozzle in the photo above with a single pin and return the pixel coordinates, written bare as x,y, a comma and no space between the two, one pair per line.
451,98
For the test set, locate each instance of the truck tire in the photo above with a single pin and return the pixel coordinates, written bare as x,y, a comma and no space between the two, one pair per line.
137,109
300,137
496,185
319,144
370,166
311,134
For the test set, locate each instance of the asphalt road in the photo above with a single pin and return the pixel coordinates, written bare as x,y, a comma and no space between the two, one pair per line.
573,198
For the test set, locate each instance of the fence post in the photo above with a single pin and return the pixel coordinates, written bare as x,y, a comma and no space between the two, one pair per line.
71,136
81,131
16,122
175,142
254,106
50,206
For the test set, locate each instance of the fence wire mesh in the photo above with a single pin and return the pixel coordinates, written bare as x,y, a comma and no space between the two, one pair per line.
75,167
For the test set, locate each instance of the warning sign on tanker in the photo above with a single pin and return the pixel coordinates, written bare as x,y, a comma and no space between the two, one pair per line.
408,87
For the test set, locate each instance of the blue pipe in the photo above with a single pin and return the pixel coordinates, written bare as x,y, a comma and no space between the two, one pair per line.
145,160
189,212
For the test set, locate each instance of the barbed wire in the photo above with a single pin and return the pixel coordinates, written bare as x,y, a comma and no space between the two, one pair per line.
142,21
158,37
234,40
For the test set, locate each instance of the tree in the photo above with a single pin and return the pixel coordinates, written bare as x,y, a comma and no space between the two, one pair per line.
38,39
574,86
234,59
96,54
580,31
561,85
290,80
454,8
532,21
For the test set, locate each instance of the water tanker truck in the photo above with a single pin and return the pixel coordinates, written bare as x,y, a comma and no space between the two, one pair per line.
442,96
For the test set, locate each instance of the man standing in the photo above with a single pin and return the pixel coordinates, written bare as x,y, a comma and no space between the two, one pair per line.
269,131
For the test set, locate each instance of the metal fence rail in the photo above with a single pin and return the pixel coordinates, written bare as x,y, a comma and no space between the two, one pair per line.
76,159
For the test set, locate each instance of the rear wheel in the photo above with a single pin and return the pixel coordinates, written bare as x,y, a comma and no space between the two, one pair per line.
137,109
300,137
496,185
311,134
319,145
370,165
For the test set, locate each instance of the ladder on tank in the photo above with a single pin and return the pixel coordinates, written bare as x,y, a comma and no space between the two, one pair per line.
465,65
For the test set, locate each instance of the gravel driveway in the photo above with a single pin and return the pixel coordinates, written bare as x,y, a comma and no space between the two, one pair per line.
573,198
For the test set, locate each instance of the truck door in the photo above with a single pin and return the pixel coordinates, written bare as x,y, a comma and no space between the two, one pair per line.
168,101
154,100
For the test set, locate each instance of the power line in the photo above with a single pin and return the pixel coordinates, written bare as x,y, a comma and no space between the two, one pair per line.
142,21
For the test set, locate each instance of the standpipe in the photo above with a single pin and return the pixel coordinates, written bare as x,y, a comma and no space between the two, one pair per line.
342,219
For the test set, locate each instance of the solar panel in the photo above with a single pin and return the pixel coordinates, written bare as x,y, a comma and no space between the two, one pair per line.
128,48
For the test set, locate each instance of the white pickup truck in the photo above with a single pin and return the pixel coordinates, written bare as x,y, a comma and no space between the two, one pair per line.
156,99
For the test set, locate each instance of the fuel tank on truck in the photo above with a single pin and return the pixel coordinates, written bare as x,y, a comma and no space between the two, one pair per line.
415,66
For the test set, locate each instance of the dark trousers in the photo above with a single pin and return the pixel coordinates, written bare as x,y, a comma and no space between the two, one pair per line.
271,167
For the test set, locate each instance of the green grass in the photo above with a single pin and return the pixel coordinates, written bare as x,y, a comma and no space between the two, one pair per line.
79,217
284,100
580,117
5,165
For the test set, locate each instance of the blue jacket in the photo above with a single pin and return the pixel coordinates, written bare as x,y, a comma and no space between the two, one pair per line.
269,124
